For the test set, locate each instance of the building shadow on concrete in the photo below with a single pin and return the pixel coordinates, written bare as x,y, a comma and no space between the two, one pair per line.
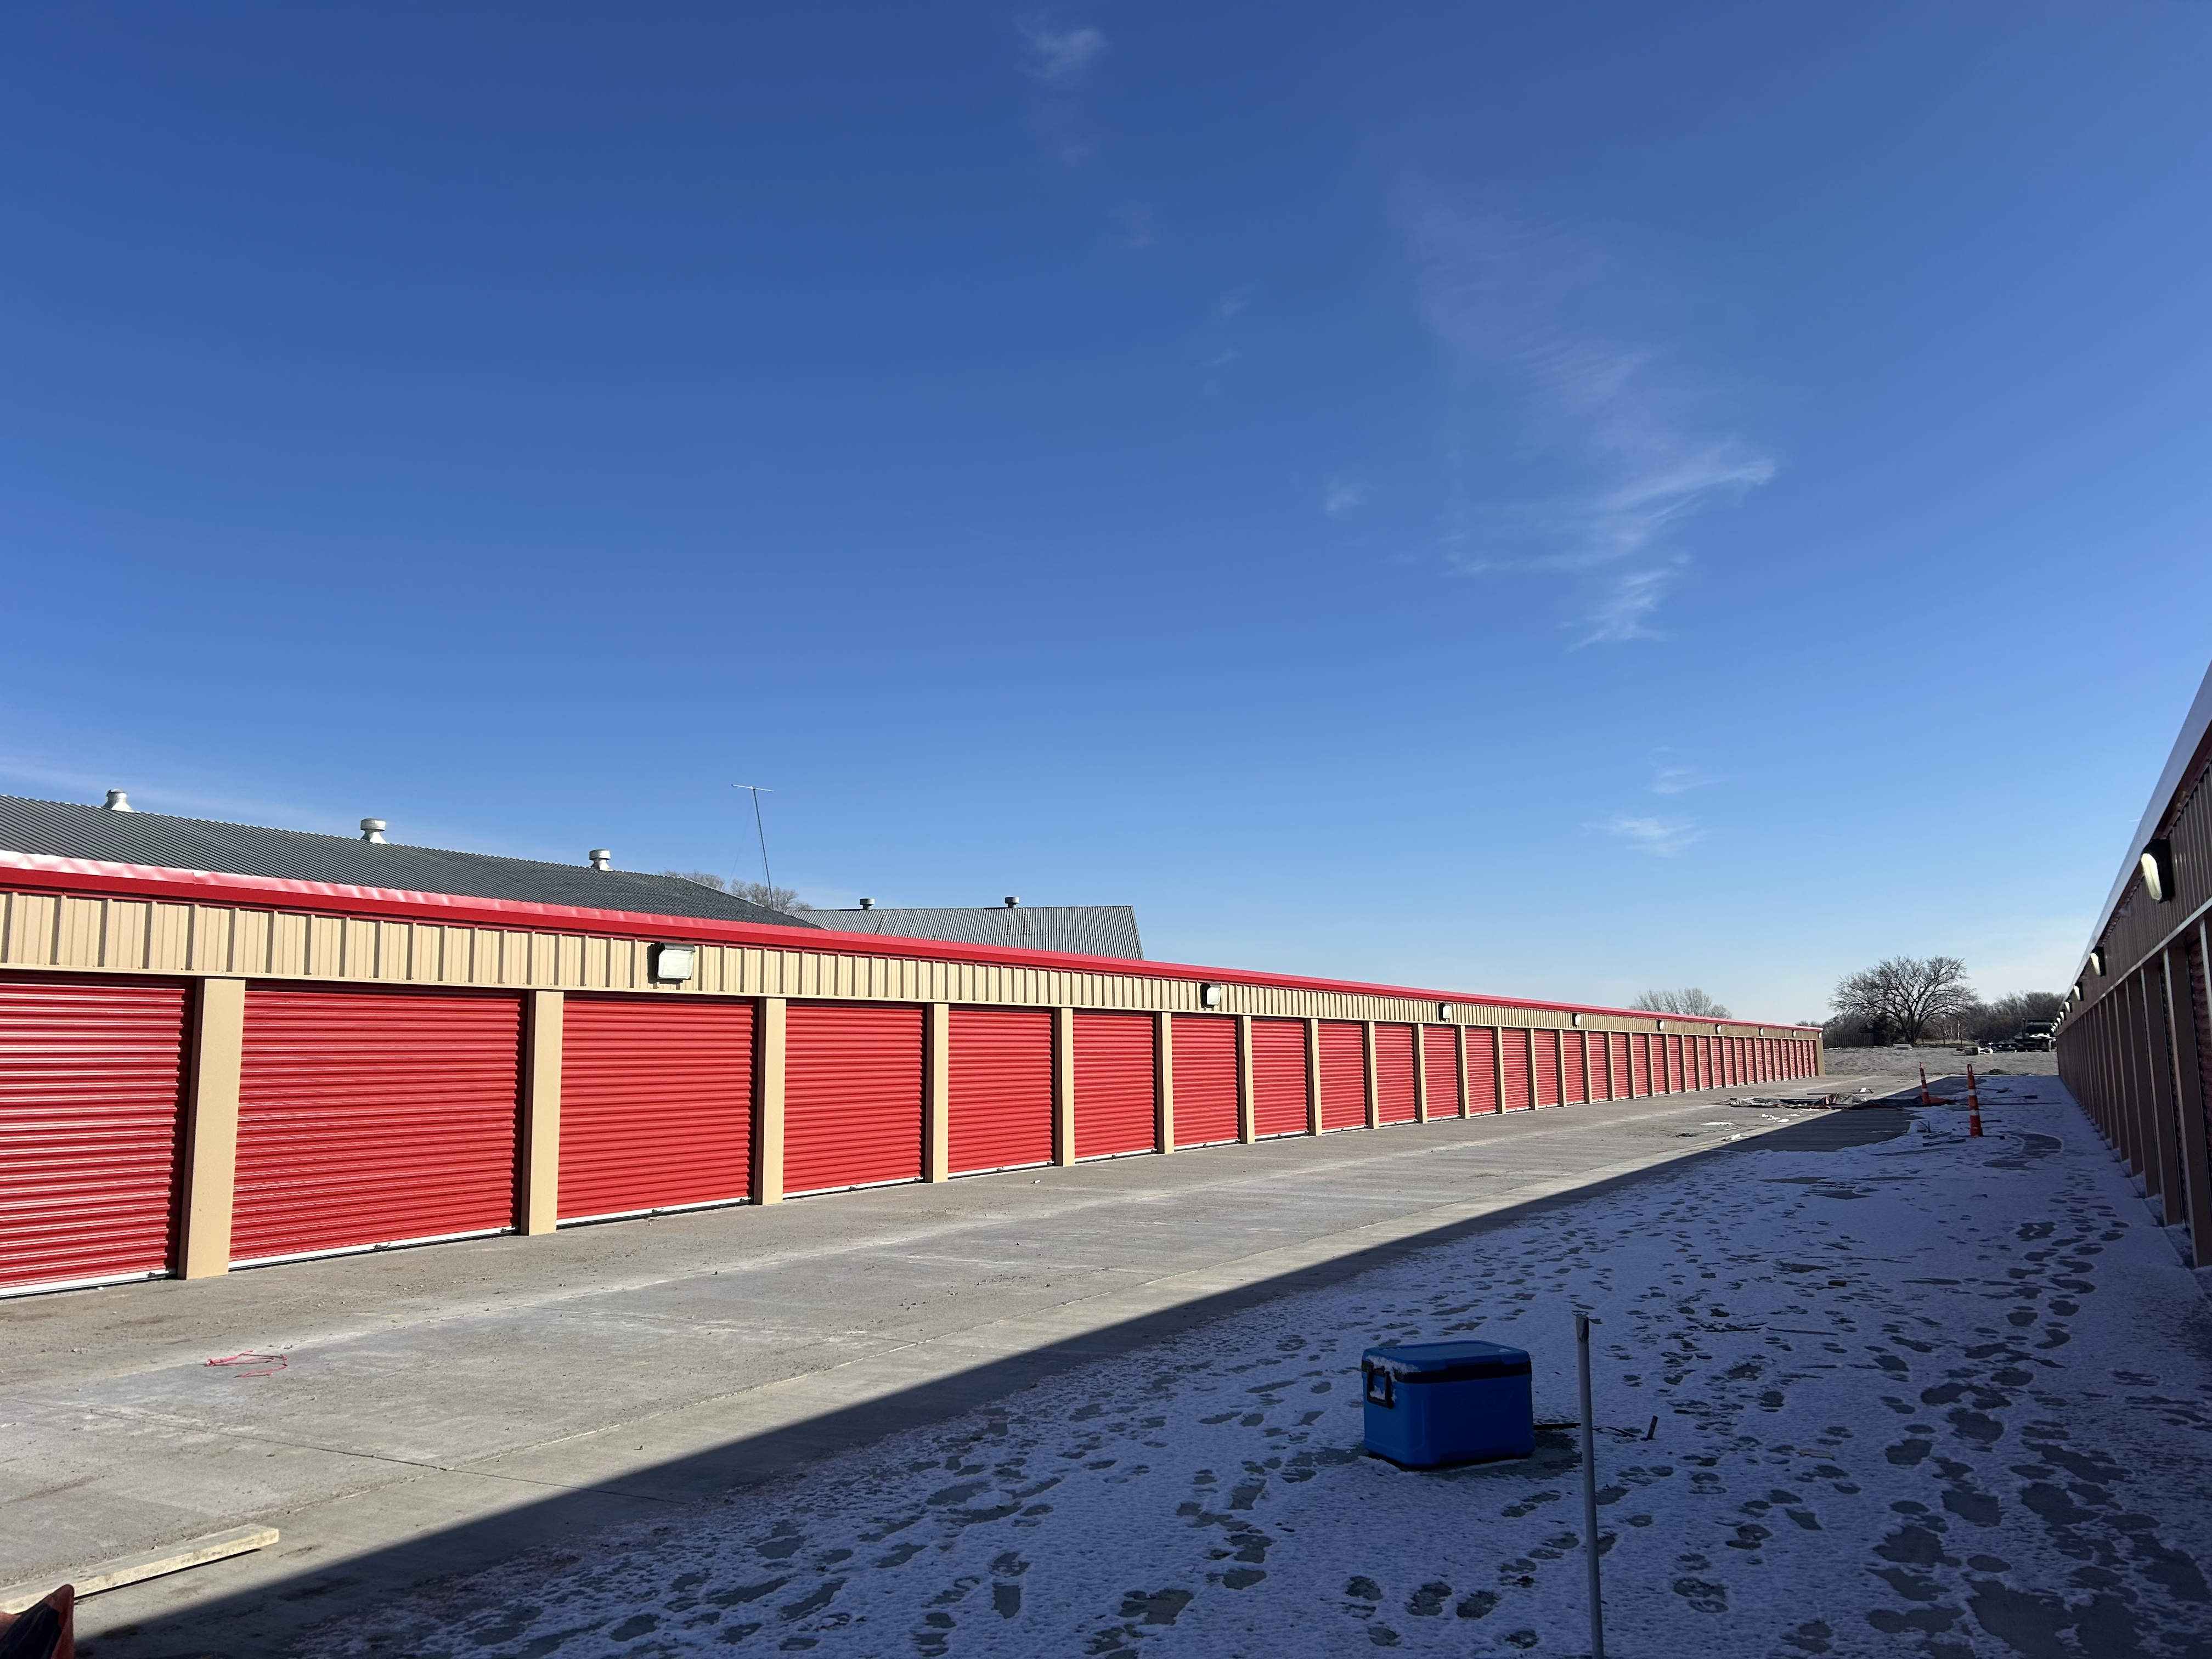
271,1619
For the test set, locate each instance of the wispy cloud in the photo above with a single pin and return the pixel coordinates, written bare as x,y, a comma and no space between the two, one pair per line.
1624,445
1668,777
1663,838
1342,495
1060,55
1057,55
1135,229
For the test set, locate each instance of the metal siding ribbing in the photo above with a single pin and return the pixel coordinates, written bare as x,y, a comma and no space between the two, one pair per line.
1514,1062
852,1096
1115,1098
1203,1052
1394,1074
373,1117
1482,1069
1343,1075
1279,1077
656,1104
90,1079
1572,1075
1440,1062
999,1089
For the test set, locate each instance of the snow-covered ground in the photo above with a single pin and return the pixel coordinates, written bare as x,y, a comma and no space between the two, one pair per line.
1933,1396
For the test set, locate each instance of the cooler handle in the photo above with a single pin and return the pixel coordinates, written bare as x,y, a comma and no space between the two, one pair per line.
1388,1398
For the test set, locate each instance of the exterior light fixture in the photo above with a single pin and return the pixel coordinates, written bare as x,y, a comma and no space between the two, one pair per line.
674,964
1578,1019
2097,962
1659,1024
1445,1010
1209,996
2158,870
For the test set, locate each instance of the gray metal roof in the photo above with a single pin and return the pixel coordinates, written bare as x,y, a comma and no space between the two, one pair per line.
1090,930
69,829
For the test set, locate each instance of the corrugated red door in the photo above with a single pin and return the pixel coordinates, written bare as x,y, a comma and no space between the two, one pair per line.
1708,1075
656,1104
1394,1074
91,1073
1572,1076
1116,1104
852,1096
1204,1053
1736,1075
1440,1069
1624,1083
1639,1062
1482,1068
1547,1069
1671,1049
1279,1077
998,1088
1343,1075
1514,1042
373,1117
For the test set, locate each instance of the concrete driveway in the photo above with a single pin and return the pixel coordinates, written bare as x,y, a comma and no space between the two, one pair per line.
437,1411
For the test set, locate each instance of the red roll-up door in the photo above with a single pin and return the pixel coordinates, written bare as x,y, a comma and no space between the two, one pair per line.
1279,1077
1440,1071
1624,1083
375,1117
1482,1069
1572,1088
1343,1075
1514,1042
1736,1075
1547,1067
1203,1051
1116,1103
1707,1075
656,1105
1667,1063
1765,1061
1639,1062
998,1088
91,1074
852,1096
1394,1100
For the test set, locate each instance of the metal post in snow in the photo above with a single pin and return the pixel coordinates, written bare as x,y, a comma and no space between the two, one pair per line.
1582,1322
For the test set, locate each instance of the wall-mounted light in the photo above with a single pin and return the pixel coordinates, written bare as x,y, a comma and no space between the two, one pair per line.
2097,962
1658,1025
674,964
2157,863
1578,1019
1445,1010
1209,996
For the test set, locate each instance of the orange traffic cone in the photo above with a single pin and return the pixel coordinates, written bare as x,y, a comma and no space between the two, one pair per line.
1924,1099
1973,1105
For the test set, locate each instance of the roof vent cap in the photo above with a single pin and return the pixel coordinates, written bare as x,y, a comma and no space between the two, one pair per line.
867,904
117,801
1012,902
602,858
372,830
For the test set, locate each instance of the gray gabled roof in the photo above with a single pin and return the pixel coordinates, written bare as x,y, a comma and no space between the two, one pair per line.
69,829
1090,930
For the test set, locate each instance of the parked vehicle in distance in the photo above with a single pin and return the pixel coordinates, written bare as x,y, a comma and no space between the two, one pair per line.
2035,1034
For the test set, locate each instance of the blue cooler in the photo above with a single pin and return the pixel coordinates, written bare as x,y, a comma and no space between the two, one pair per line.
1448,1402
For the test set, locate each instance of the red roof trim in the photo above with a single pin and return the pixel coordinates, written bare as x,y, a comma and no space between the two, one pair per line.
90,876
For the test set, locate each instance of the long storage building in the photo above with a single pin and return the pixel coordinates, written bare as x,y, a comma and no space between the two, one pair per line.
206,1068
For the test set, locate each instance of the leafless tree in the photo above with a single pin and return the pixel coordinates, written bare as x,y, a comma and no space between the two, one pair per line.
1903,996
785,899
1688,1001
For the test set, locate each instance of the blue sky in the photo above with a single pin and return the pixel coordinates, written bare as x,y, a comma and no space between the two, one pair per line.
1545,499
